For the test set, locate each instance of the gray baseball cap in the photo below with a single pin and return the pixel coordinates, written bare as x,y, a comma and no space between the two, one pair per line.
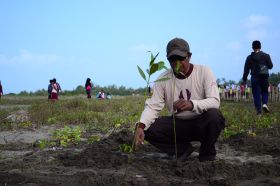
177,46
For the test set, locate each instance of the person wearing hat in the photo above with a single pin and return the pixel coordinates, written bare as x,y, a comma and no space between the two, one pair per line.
191,93
258,63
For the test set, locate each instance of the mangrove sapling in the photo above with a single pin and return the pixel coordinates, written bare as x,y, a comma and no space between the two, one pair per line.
176,71
153,67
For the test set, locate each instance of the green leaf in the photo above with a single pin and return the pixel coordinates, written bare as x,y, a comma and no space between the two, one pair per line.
162,79
153,68
141,73
160,65
177,67
153,58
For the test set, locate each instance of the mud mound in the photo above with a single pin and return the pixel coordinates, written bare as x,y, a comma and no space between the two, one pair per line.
102,163
265,142
18,116
106,153
154,168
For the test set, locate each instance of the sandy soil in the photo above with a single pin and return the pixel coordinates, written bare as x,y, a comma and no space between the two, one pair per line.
241,160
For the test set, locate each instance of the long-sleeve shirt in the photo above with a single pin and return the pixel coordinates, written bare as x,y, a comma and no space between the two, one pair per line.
200,87
252,62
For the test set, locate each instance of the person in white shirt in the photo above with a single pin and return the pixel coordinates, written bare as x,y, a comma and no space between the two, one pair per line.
101,94
191,93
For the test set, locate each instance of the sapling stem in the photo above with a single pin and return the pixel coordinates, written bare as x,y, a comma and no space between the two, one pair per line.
174,123
177,70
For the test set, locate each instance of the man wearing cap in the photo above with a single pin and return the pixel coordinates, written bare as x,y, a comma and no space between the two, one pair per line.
258,63
191,93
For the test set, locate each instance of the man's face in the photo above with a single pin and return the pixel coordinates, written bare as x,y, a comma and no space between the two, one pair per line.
179,64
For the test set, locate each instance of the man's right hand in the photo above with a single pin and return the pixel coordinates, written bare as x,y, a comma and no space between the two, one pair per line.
139,136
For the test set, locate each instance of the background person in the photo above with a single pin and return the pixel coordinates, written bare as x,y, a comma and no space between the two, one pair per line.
108,95
1,90
58,86
50,89
101,94
258,63
55,89
88,87
192,94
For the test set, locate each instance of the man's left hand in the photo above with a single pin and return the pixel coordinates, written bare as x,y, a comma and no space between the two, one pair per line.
182,105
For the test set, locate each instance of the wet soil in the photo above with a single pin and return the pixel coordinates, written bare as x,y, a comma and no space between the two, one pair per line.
241,160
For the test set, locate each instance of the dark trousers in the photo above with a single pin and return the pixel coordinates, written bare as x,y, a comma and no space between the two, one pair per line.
260,91
205,128
88,94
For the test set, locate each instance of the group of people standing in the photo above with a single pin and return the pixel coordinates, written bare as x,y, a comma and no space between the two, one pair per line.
53,89
234,92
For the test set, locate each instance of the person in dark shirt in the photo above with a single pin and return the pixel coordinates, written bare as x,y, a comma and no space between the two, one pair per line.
50,89
258,63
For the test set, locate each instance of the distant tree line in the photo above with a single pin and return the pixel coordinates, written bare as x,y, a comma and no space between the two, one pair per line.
274,79
112,89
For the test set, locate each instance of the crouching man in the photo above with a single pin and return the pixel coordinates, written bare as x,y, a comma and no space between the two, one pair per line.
191,93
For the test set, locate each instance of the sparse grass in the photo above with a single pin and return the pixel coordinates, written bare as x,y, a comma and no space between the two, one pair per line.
241,118
93,114
104,115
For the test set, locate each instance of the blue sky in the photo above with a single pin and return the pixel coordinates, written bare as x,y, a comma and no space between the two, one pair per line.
106,40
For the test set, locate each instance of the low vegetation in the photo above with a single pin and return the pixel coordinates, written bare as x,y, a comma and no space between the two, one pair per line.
85,116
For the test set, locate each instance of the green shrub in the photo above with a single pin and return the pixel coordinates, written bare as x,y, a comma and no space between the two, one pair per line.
67,135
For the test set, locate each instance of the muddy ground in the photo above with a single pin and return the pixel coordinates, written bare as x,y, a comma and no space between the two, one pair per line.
241,160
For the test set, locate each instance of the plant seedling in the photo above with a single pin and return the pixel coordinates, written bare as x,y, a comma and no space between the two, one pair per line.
126,148
153,67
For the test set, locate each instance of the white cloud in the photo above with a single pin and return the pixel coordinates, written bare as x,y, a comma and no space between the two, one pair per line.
257,27
257,34
256,21
26,57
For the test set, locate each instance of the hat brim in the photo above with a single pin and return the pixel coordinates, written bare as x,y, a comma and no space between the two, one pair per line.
177,53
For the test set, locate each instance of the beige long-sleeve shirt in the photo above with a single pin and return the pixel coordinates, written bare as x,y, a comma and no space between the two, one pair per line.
200,87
